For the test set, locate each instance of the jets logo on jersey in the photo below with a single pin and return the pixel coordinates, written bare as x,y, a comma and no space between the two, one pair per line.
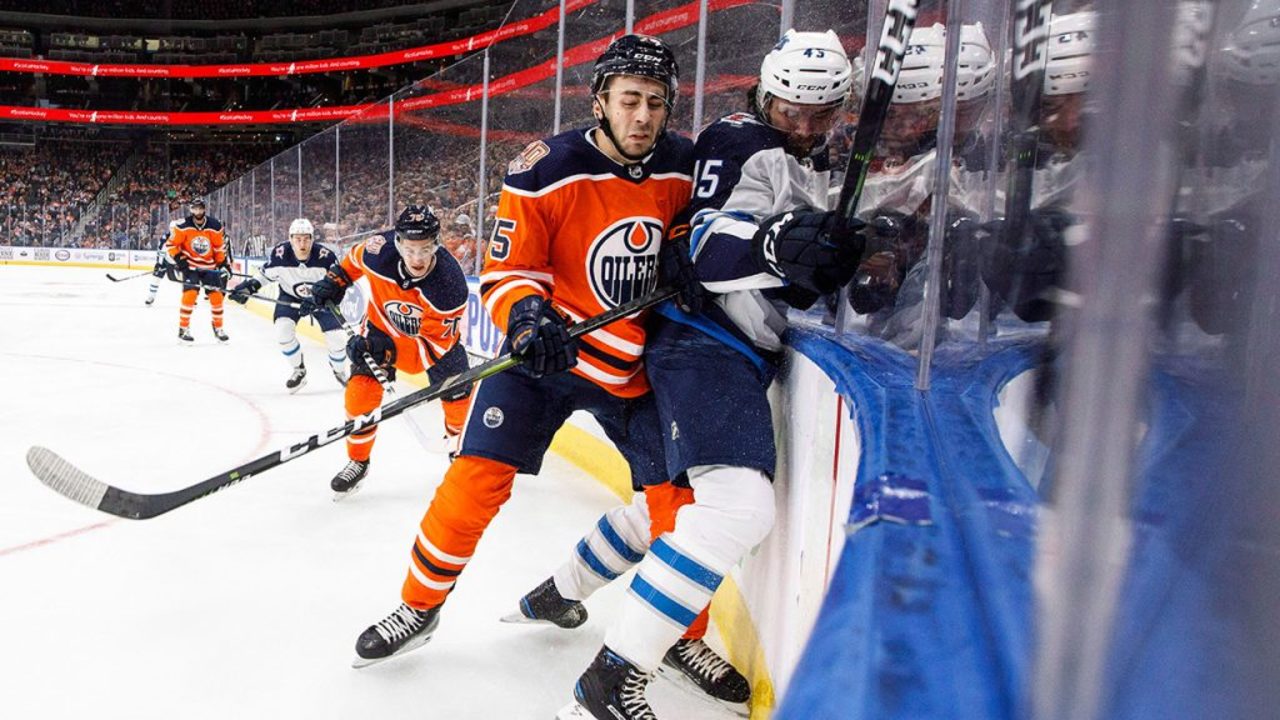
374,244
301,290
201,244
405,317
623,261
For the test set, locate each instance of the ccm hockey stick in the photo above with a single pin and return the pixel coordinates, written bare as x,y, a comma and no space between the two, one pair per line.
381,376
68,480
1030,30
895,36
135,276
899,20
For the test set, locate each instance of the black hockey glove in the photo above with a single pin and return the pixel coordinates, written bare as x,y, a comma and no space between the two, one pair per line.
961,258
880,274
164,265
378,346
798,246
876,283
244,290
1021,270
540,337
328,289
675,270
222,275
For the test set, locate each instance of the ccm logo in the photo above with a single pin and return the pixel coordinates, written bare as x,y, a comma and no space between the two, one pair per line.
893,40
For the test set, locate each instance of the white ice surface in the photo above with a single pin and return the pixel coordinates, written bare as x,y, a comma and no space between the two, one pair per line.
247,603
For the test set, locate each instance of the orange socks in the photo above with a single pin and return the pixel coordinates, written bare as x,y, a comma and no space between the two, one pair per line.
473,491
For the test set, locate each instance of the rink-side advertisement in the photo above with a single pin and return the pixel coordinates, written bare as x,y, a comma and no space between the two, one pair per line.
76,256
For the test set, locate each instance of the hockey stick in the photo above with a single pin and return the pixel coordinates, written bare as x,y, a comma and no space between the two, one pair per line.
68,480
135,276
899,20
1030,28
381,376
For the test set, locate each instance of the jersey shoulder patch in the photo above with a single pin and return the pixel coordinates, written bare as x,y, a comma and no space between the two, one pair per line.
567,154
374,244
532,153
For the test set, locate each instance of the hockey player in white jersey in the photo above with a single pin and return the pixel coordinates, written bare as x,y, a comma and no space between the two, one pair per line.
295,264
761,241
163,269
898,192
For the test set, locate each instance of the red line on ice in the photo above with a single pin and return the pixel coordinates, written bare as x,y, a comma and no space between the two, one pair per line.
55,538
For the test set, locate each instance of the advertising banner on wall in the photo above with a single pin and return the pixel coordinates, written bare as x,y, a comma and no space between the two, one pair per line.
482,337
77,256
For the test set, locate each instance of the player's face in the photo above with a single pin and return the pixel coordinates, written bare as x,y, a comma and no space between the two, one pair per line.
907,124
197,211
301,244
636,108
804,125
419,255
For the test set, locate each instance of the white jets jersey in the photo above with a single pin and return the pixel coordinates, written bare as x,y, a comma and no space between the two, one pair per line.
743,175
295,276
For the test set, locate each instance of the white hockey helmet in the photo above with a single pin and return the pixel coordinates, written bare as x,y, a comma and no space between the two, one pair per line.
301,226
1252,52
1071,47
806,68
924,61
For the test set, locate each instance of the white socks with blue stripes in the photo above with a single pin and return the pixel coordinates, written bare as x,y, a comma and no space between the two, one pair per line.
336,340
617,542
733,510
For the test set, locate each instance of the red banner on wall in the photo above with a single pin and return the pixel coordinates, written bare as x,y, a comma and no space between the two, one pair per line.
450,48
659,23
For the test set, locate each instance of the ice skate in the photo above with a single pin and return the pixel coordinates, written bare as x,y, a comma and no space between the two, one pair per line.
340,376
297,379
545,606
694,665
184,336
611,689
403,630
220,334
149,301
347,482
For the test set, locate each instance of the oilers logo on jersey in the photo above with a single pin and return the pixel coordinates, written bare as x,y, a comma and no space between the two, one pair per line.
406,318
623,261
201,244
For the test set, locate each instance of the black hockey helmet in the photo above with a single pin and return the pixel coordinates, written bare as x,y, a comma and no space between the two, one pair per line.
417,222
196,203
640,55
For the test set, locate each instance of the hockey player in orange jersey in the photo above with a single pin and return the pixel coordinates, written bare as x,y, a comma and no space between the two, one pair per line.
418,296
581,225
200,254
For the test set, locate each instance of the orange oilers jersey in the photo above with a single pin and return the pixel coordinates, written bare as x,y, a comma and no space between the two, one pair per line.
577,227
201,244
422,315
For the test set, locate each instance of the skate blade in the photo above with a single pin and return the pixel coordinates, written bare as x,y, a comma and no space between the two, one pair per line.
340,496
678,679
362,662
574,711
518,618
